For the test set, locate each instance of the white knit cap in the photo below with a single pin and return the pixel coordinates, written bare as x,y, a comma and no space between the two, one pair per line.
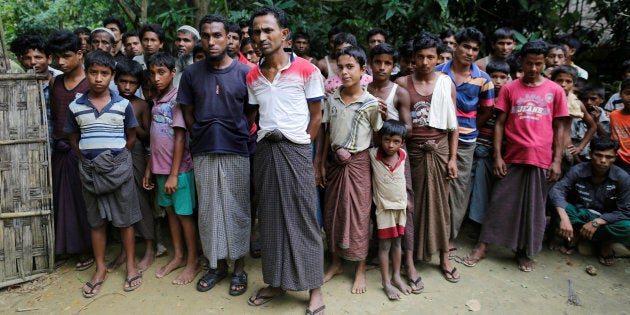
190,29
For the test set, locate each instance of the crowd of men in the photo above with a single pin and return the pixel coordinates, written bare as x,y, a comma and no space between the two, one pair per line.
239,125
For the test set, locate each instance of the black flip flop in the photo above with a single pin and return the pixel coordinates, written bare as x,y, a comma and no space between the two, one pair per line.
92,286
238,279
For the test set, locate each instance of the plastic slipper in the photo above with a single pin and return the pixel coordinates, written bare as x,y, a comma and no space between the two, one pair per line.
258,296
84,264
316,311
416,283
469,261
92,286
211,278
606,260
239,279
452,253
128,282
451,273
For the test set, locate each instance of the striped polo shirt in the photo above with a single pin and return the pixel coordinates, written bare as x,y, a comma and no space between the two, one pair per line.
475,92
100,131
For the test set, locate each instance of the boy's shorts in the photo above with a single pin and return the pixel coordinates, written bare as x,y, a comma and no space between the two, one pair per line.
390,223
182,200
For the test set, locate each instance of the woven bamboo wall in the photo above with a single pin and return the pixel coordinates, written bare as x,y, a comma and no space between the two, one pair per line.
26,217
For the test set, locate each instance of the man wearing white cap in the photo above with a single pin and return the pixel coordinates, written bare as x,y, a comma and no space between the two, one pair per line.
185,40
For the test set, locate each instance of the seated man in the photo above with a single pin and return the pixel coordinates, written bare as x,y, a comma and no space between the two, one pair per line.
594,199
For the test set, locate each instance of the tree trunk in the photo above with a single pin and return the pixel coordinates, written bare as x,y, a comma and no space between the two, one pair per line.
201,9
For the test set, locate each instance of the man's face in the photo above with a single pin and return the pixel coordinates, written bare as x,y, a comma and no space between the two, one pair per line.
68,61
250,53
591,99
555,57
426,60
602,160
233,44
391,144
101,41
450,42
382,67
214,40
37,60
133,47
301,46
532,66
466,53
268,35
84,41
445,57
127,85
407,65
375,40
185,43
503,47
151,43
116,30
245,32
98,77
625,97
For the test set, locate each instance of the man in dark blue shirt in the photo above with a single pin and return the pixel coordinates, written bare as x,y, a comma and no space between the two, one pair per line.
592,201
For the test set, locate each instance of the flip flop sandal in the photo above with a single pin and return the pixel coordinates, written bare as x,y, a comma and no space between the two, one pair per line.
316,311
211,278
258,296
454,251
468,261
129,287
451,273
239,279
416,283
85,264
92,286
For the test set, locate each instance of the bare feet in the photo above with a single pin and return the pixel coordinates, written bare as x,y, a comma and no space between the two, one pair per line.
401,285
525,263
187,275
473,257
359,286
112,266
333,270
175,263
390,291
160,250
147,261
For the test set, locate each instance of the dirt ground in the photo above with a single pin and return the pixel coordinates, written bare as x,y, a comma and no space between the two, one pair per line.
495,285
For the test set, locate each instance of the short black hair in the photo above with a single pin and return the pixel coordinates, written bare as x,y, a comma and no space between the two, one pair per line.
243,23
354,52
82,30
199,48
234,28
215,18
130,34
603,144
535,47
247,41
155,28
301,35
426,40
375,31
334,31
101,58
129,67
278,13
162,58
594,88
570,40
502,32
469,34
343,38
114,20
624,84
392,127
498,66
21,44
566,69
63,41
384,49
443,48
514,63
406,50
447,33
551,47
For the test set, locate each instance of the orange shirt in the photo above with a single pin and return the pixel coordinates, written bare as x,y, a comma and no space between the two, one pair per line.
620,126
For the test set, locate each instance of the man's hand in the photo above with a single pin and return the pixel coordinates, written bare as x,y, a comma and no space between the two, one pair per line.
500,168
147,180
588,230
382,108
452,168
554,172
566,229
